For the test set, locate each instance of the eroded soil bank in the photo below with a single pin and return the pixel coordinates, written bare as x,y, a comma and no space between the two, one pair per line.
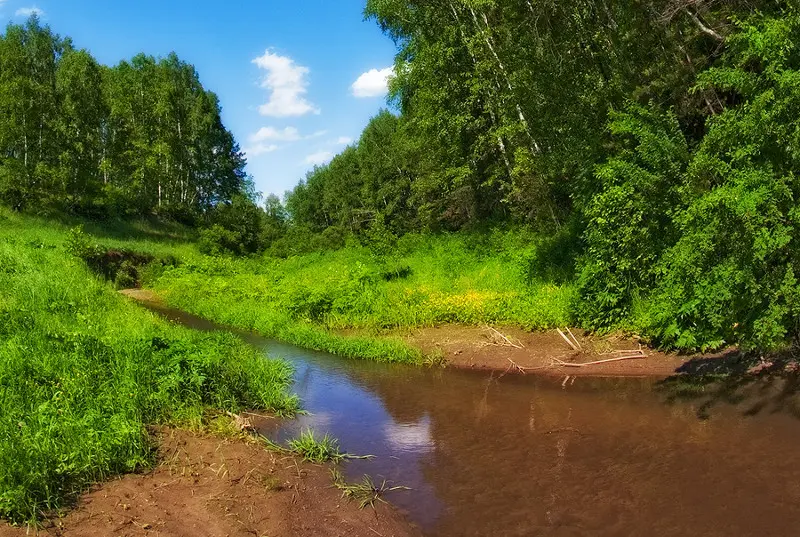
516,350
207,486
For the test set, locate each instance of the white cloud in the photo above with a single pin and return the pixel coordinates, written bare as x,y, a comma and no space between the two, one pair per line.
260,148
344,140
373,83
319,158
289,134
28,11
287,84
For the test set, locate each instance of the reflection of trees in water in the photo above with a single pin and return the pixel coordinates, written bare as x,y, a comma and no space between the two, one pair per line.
735,380
521,457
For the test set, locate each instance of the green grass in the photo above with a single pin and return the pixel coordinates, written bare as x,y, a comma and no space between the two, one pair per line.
366,492
311,448
83,372
317,450
311,300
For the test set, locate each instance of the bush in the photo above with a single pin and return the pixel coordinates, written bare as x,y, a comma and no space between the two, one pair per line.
629,222
733,275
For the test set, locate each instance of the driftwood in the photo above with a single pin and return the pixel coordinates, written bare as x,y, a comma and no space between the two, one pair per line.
598,362
570,343
556,363
504,338
578,343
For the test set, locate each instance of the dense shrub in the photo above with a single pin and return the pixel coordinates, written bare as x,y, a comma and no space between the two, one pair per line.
629,221
235,228
733,275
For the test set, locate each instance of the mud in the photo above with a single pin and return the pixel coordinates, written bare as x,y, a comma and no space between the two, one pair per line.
207,486
515,350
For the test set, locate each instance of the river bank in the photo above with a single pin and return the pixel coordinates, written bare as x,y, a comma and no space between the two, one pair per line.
510,349
223,487
567,352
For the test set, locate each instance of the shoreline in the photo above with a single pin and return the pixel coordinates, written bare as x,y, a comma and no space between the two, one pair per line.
513,350
207,485
509,349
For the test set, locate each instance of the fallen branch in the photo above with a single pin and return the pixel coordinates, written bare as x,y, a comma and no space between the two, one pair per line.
598,362
578,343
570,343
514,365
639,352
504,338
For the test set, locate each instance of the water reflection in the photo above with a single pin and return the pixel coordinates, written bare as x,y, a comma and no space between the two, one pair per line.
510,455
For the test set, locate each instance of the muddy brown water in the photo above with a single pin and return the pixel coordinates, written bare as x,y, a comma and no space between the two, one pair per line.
489,455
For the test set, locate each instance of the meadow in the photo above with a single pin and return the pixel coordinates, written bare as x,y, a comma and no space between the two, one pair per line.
84,372
339,301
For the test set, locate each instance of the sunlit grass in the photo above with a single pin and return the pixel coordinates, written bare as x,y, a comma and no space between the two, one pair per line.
317,450
310,300
83,372
366,492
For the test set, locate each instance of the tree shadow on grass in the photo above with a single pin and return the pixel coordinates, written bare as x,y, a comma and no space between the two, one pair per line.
752,384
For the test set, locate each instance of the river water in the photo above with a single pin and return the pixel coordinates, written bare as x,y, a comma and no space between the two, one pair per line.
493,455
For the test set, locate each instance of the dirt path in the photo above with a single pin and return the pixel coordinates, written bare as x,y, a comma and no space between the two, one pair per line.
507,348
217,488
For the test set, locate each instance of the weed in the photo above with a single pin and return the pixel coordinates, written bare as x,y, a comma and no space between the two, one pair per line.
317,450
366,493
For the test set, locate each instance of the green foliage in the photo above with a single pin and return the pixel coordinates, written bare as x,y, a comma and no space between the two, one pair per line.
307,300
83,372
236,228
80,245
732,275
367,493
317,450
629,221
646,153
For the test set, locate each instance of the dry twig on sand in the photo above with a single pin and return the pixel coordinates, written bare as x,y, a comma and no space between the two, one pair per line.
561,363
569,342
506,341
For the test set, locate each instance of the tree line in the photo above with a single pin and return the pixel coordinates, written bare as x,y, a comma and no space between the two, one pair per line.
139,138
654,141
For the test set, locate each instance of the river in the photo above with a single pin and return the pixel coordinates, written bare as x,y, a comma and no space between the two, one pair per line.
487,454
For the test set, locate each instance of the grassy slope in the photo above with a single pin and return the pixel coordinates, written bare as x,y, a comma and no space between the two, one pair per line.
424,281
82,372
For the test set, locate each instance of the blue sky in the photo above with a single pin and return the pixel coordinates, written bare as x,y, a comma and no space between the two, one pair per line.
284,70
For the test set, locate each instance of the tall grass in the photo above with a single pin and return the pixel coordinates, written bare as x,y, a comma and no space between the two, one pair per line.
310,300
83,372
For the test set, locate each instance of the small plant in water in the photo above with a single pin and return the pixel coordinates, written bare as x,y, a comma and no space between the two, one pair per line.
316,450
366,493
